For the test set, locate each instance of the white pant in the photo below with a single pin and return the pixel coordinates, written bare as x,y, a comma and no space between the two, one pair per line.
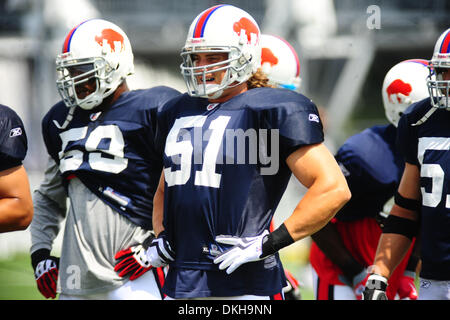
143,288
434,290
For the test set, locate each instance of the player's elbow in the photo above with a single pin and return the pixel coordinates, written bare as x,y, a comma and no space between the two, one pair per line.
26,218
24,214
23,219
344,194
340,193
17,217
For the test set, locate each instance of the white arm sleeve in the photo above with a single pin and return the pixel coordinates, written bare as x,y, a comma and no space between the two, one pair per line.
50,207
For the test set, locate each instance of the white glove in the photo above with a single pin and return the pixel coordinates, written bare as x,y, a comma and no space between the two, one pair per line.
244,250
159,253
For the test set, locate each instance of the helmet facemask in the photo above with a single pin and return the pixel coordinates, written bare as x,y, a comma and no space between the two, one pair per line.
96,69
196,78
439,89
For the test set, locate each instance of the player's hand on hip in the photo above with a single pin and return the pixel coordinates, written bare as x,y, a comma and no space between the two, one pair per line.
159,252
45,272
375,288
243,250
407,288
133,261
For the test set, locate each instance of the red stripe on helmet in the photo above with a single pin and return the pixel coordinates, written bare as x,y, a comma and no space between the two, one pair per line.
66,45
198,30
445,43
67,41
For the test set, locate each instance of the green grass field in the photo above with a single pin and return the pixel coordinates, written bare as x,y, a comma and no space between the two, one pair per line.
17,280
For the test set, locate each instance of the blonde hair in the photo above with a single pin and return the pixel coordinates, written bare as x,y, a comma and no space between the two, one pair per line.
259,79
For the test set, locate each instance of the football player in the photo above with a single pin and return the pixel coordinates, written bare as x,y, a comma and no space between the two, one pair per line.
102,157
345,248
215,201
16,206
279,61
424,136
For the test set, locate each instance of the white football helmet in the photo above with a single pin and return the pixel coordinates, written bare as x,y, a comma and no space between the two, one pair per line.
100,52
279,61
404,84
222,29
439,89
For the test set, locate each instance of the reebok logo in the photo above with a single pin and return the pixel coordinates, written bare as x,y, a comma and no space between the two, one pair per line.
15,132
313,117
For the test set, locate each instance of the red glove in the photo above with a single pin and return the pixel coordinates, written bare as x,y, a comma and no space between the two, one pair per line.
407,288
132,261
45,272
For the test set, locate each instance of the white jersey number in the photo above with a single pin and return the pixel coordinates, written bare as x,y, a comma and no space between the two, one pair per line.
72,159
182,151
433,171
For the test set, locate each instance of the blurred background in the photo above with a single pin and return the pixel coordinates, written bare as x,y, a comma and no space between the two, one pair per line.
345,49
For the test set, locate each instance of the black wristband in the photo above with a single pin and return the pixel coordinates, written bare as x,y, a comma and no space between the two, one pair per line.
276,240
399,225
38,256
405,203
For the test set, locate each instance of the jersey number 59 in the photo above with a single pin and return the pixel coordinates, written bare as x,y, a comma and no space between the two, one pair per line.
73,159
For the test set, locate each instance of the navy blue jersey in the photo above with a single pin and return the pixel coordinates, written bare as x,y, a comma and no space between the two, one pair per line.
427,146
112,152
225,173
373,169
13,139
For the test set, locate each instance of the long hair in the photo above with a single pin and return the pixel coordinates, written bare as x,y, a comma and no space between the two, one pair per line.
259,79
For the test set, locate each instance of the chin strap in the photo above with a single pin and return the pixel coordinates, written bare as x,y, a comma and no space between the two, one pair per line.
68,119
425,117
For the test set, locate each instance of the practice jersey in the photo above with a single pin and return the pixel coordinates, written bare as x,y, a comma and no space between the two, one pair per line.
427,146
372,168
225,172
112,152
13,139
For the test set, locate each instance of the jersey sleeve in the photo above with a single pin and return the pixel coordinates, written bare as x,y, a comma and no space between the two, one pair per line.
51,138
351,169
50,207
298,123
13,139
407,140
